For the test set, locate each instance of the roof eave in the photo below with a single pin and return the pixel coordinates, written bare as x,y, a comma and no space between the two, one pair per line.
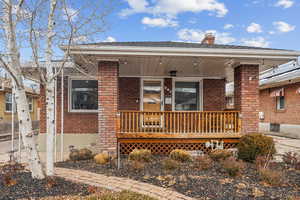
176,51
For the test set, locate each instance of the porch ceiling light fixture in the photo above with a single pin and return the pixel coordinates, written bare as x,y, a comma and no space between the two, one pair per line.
173,73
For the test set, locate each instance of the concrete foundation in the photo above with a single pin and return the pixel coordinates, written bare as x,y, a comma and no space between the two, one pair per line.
286,130
77,140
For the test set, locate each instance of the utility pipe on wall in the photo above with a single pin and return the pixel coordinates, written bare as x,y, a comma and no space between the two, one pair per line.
62,116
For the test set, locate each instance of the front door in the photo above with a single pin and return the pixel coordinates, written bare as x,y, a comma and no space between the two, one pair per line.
152,102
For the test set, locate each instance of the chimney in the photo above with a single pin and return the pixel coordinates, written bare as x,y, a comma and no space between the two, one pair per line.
209,39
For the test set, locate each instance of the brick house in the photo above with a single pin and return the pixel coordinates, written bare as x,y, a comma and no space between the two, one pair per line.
6,106
280,100
159,95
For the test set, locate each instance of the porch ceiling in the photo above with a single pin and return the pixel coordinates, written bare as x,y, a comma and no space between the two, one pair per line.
160,66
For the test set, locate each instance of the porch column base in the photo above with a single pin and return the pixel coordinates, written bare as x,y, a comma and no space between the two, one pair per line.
246,96
108,73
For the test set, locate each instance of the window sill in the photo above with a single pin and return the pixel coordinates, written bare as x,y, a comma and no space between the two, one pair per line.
280,111
83,111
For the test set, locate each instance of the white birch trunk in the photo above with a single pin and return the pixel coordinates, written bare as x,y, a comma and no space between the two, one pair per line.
25,126
50,106
24,118
50,100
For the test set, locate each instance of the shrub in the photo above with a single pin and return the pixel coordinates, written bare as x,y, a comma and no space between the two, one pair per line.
291,159
137,165
203,162
85,154
82,154
74,155
272,177
101,158
220,154
232,166
253,145
180,155
170,164
262,162
141,155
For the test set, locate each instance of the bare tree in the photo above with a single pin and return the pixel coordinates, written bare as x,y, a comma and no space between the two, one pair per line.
42,26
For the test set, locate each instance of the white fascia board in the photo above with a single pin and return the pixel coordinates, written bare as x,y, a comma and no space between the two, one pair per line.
173,51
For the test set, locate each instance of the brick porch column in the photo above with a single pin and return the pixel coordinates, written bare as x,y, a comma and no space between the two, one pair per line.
108,73
246,96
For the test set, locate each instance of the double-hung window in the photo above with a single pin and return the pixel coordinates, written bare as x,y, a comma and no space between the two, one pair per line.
8,102
83,95
280,102
30,103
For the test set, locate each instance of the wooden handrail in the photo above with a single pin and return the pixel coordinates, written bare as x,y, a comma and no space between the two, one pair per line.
179,122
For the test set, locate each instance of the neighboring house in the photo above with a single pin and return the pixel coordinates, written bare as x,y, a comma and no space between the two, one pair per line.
159,95
6,105
279,99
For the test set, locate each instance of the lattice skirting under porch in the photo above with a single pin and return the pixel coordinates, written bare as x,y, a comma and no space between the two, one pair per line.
165,147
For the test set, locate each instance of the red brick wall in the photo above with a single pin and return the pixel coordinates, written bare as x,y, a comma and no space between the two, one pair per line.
43,127
168,92
73,122
213,94
246,96
291,113
129,91
108,104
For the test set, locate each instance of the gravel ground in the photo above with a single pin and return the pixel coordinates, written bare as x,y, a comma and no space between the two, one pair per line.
28,188
201,184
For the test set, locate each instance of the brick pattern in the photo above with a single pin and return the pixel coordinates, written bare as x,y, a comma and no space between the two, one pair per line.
129,93
108,104
118,184
80,122
214,94
168,92
291,113
246,96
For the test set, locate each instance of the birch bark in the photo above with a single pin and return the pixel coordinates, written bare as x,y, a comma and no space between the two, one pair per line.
50,100
14,68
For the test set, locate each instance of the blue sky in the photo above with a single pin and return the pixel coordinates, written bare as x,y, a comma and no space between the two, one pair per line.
263,23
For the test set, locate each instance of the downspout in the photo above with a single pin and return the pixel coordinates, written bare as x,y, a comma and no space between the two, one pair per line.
55,117
62,116
12,122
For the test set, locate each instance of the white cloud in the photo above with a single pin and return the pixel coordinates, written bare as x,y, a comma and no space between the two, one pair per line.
271,32
228,26
256,42
110,39
284,3
195,35
174,7
254,28
283,27
159,22
81,38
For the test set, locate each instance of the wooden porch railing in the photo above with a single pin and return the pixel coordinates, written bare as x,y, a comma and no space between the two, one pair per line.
179,122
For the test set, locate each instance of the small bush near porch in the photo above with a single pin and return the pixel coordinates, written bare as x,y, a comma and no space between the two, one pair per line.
205,177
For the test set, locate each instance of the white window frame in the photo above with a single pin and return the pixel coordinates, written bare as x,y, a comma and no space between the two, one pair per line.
70,79
188,79
5,102
162,105
278,103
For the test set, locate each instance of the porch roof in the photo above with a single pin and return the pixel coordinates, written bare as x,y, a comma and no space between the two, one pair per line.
188,59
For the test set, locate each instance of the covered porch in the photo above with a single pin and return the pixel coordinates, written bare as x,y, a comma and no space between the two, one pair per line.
170,95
